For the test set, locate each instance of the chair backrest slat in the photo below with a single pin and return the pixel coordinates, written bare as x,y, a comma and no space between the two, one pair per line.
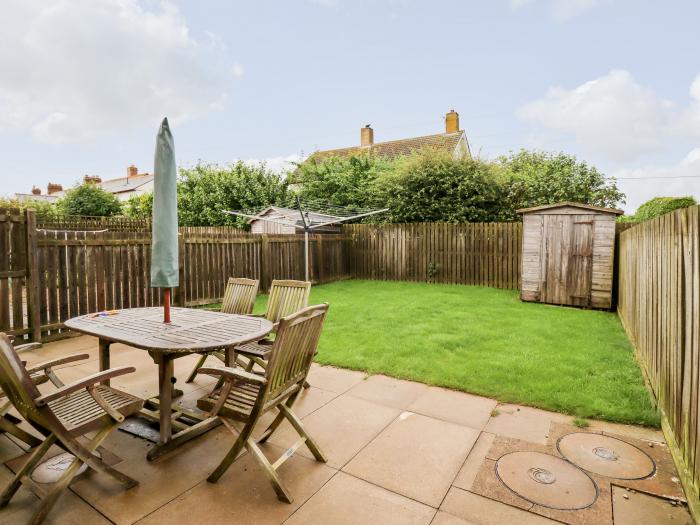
16,383
286,297
240,295
294,348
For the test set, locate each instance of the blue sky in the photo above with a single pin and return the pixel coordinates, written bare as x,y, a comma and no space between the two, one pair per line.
86,82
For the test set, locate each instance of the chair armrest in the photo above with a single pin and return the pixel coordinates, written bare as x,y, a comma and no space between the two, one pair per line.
83,383
233,373
27,346
55,362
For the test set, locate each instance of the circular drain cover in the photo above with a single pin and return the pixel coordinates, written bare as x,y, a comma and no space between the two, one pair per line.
546,480
52,469
605,455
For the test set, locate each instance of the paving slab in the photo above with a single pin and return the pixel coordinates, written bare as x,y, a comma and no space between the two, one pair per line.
388,391
485,511
467,474
243,495
443,518
456,407
416,456
342,428
347,500
311,399
160,481
637,508
334,379
528,424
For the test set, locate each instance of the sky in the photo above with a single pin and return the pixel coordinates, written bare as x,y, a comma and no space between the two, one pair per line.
85,83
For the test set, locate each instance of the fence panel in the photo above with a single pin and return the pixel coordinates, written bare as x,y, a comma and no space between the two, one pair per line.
659,305
486,254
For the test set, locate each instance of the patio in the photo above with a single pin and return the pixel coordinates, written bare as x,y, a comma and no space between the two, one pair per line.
398,452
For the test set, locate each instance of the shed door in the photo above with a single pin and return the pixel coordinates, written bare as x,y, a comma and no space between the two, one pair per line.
567,259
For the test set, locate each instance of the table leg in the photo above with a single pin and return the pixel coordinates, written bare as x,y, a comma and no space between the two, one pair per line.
165,391
104,358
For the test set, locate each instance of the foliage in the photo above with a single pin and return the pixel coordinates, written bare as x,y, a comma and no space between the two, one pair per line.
88,199
343,181
206,190
658,206
41,207
487,342
535,178
139,206
435,187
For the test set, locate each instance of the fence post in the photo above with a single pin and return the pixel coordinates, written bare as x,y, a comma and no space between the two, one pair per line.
264,262
32,278
319,257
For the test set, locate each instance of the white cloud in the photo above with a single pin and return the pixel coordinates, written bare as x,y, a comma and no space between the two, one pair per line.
561,10
79,69
277,164
615,116
237,70
679,180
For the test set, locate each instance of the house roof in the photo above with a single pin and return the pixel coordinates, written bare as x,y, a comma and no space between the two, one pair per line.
123,184
573,205
293,217
439,142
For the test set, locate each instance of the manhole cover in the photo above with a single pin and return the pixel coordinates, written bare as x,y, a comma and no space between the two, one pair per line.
52,469
605,455
546,480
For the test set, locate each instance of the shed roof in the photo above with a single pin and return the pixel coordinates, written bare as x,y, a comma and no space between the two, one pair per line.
294,218
563,204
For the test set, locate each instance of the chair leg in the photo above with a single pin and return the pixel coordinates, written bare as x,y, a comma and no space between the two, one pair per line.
196,368
310,442
270,472
85,454
278,420
26,469
233,453
8,426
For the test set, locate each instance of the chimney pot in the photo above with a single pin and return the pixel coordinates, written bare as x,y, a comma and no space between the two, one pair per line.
36,191
132,171
366,136
452,122
53,188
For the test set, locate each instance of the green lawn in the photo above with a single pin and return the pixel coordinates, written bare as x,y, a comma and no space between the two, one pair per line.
485,341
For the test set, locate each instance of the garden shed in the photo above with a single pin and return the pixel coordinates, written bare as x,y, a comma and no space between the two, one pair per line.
568,254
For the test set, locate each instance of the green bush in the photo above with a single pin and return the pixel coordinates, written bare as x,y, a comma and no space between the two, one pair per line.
88,199
658,206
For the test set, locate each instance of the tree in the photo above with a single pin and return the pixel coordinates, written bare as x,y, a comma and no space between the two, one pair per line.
343,181
89,199
139,206
206,190
433,187
535,178
658,206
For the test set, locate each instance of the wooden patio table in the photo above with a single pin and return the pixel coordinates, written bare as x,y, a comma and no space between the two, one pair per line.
191,331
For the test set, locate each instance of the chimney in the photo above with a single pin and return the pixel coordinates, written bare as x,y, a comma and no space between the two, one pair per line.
53,188
366,136
132,171
36,191
452,122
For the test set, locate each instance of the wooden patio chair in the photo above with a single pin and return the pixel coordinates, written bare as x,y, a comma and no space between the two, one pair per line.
62,416
39,373
239,298
286,297
245,397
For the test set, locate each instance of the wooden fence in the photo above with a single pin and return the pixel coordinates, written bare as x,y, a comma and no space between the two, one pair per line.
486,254
48,275
659,305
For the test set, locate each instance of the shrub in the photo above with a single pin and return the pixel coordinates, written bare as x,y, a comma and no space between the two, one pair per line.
89,199
658,206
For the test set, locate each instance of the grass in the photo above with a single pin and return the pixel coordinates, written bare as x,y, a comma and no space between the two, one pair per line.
486,341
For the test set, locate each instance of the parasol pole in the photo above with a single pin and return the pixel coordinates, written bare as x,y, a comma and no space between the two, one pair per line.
166,305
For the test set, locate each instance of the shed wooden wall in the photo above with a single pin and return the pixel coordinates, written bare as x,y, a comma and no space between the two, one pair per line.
542,257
